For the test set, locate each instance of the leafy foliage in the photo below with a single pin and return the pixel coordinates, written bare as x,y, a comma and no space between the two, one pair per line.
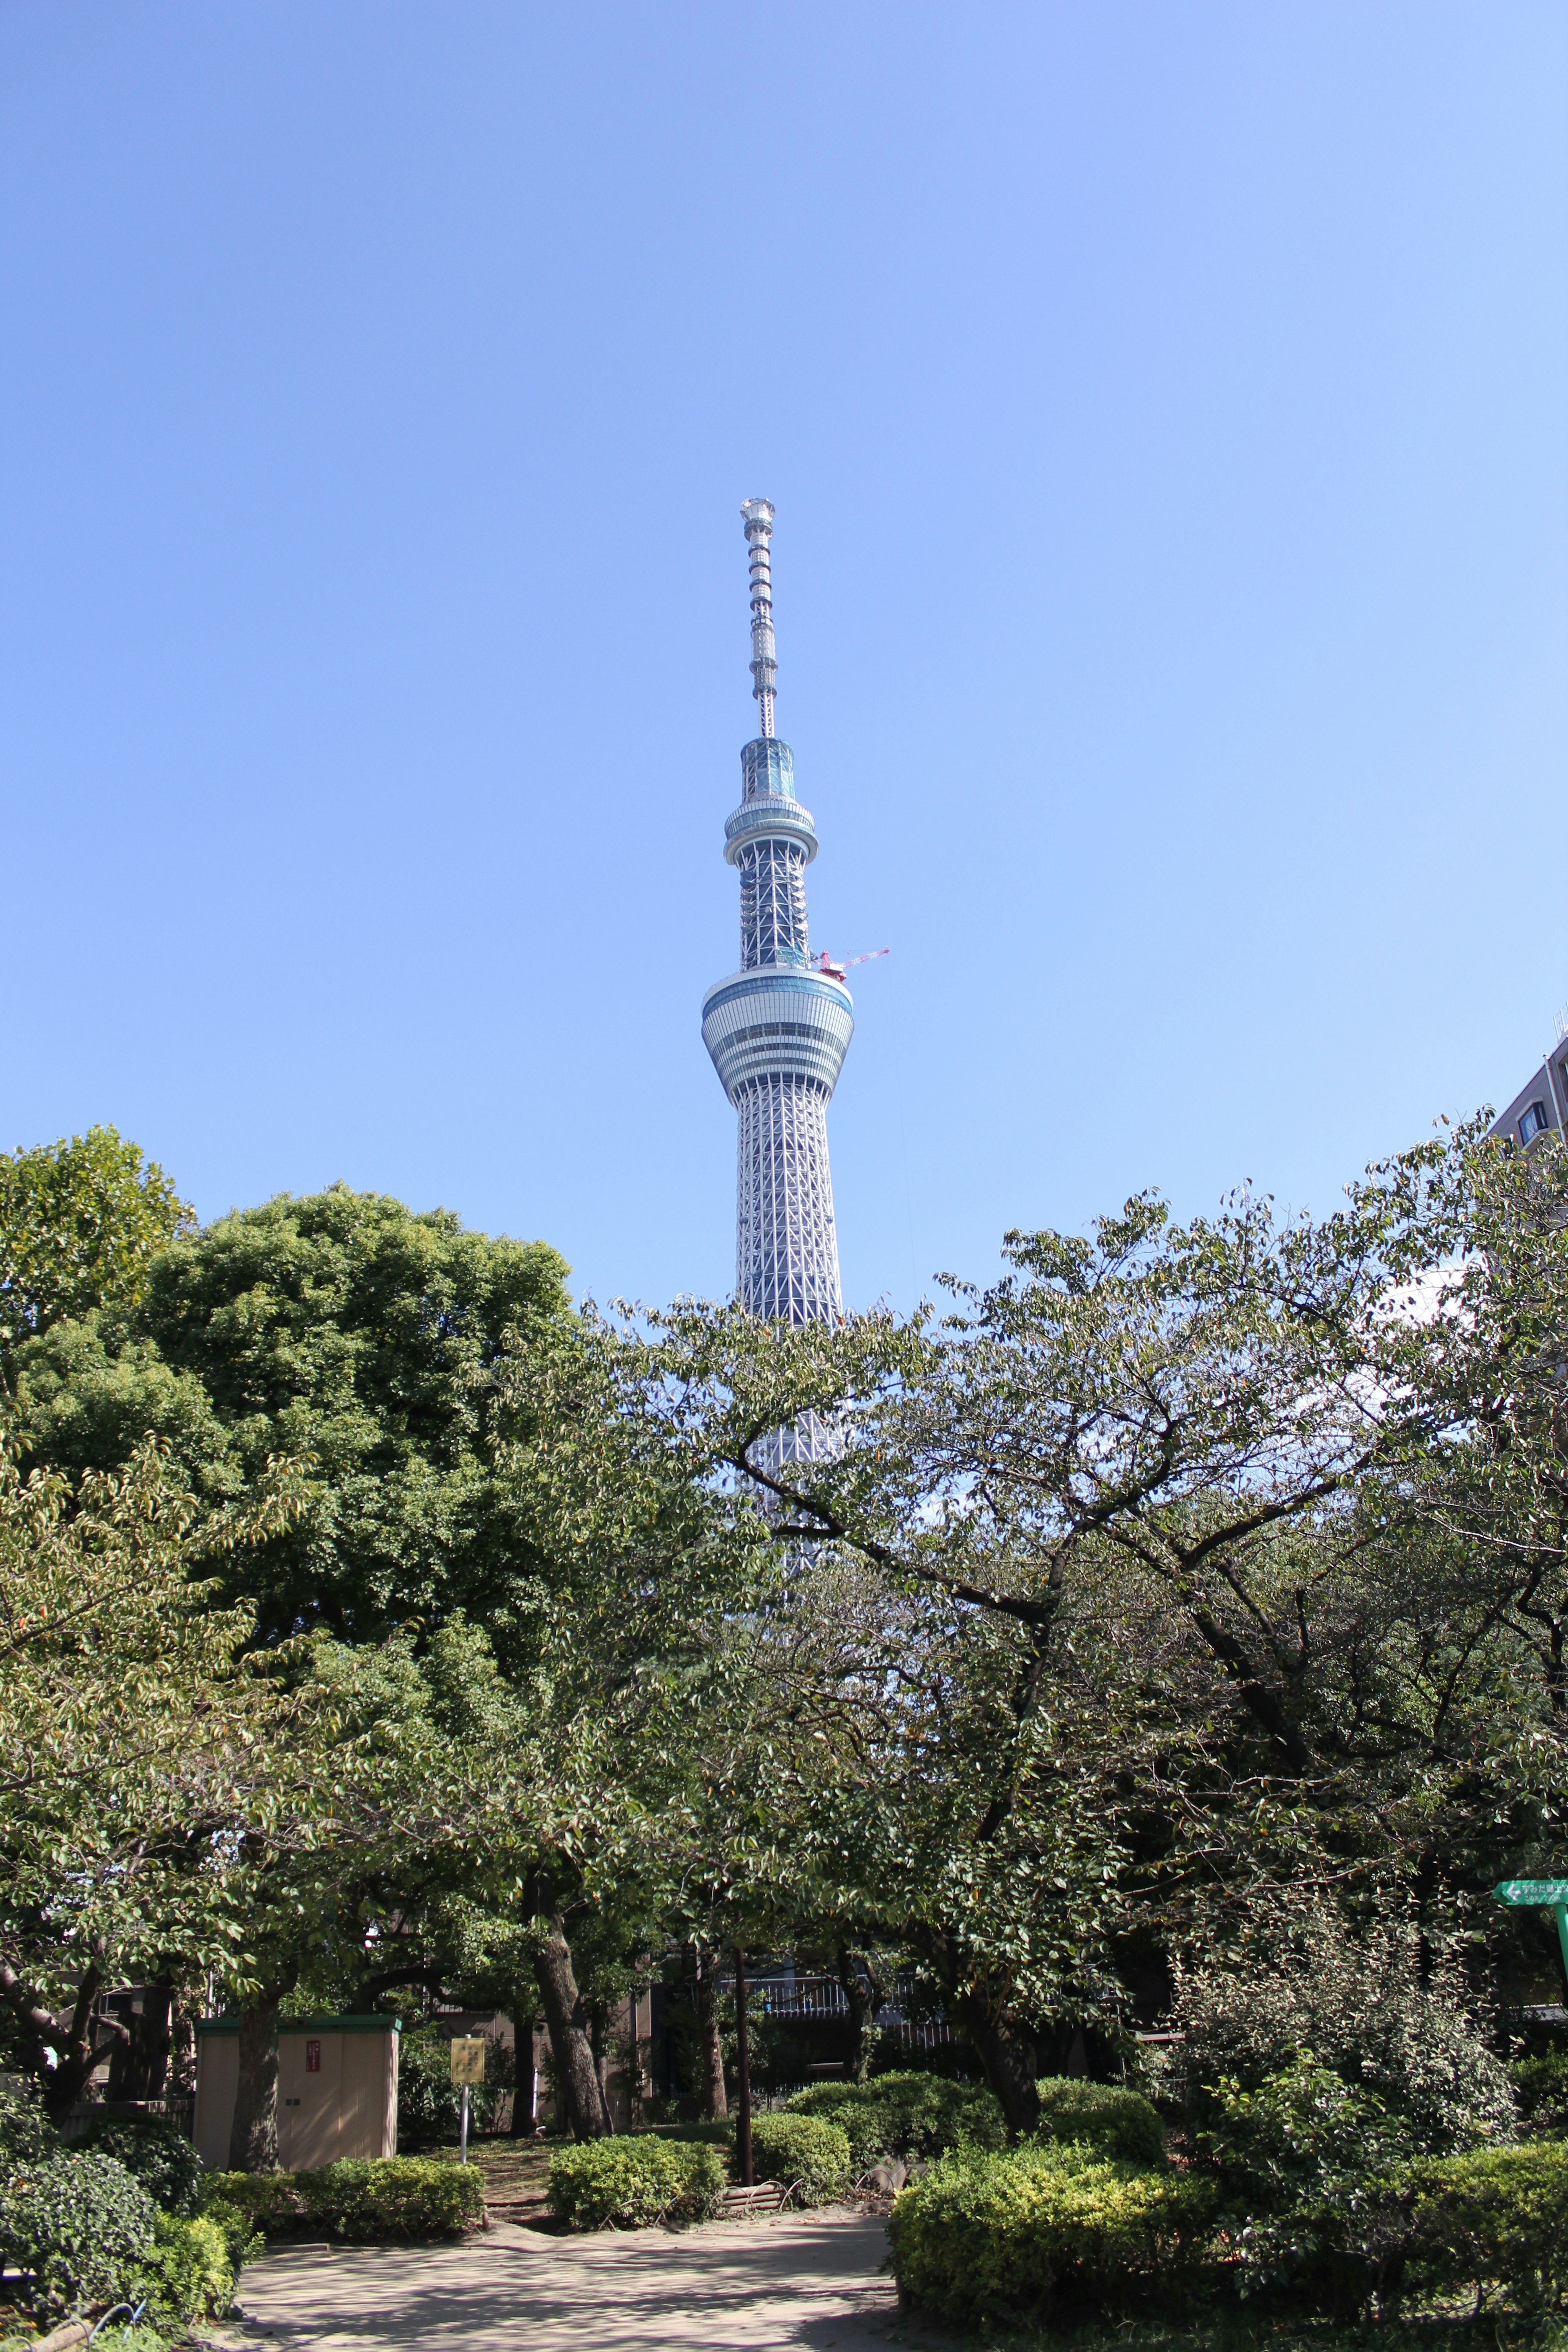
808,2154
1540,2085
415,2198
80,1224
1357,2004
1004,2237
906,2115
156,2155
187,2272
1492,2222
26,2131
346,1330
78,2228
1098,2115
633,2183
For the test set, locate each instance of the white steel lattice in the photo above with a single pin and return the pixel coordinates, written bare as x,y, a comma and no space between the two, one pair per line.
773,903
778,1030
786,1251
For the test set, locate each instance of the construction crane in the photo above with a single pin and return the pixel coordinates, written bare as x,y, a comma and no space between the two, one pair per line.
835,970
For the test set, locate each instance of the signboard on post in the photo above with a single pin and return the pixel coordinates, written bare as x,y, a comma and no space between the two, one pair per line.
468,2058
467,2068
1539,1895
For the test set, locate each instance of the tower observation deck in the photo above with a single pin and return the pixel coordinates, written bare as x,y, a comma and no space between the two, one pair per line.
779,1028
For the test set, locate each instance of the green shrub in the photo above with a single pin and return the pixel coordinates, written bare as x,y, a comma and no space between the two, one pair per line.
186,2274
1492,2223
1362,2005
988,2236
156,2155
1304,2136
413,2198
905,2115
633,2183
78,2228
26,2132
1541,2086
1098,2115
806,2153
242,2241
407,2196
268,2201
1306,2166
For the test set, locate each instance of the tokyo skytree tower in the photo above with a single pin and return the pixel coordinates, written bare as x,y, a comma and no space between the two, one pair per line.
779,1028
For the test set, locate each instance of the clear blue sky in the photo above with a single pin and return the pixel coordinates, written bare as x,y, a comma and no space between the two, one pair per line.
1164,407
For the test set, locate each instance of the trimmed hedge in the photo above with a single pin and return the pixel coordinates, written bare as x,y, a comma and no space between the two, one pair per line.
805,2153
1003,2236
636,2183
362,2200
905,2115
78,2228
1095,2115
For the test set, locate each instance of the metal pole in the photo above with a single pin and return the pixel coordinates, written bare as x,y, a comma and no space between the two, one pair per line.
1560,1914
744,2068
463,2129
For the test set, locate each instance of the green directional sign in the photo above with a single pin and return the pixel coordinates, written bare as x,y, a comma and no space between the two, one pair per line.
1539,1895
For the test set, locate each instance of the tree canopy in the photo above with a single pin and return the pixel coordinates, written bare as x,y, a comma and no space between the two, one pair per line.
80,1224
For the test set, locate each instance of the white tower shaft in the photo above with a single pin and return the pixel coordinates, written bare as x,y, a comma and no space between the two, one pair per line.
778,1029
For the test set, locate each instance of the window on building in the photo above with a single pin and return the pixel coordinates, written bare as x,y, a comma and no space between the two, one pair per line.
1533,1123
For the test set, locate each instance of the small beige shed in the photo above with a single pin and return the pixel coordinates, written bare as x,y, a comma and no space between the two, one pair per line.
337,2089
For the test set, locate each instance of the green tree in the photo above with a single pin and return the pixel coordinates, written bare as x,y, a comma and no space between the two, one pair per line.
80,1224
352,1335
1120,1596
136,1742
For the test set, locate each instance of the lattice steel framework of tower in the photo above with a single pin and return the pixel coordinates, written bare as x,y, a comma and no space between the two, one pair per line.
778,1029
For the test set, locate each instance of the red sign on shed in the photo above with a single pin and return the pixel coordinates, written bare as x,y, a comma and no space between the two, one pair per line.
312,2057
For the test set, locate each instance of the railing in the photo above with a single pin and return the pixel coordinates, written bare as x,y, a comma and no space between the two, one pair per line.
823,1998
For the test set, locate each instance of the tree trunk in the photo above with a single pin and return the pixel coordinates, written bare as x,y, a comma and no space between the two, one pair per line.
76,2046
1011,2063
253,2136
524,2105
705,1995
864,1995
577,2077
1004,2050
599,2043
140,2065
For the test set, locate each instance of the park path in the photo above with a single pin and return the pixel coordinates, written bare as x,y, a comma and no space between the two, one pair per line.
787,2281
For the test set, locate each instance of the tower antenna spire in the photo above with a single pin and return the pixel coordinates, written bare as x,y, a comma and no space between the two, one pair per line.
757,515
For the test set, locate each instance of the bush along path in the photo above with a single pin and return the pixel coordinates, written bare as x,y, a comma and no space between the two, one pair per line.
120,2217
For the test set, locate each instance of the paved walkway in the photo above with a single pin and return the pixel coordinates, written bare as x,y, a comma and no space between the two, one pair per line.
790,2280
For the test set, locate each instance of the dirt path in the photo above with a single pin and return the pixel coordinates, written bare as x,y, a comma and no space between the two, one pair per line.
791,2280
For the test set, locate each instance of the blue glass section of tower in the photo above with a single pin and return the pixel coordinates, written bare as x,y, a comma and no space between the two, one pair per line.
778,1029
